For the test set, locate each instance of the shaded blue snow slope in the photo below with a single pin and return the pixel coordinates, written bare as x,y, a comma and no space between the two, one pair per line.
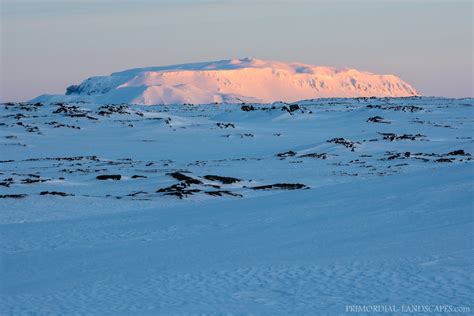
236,209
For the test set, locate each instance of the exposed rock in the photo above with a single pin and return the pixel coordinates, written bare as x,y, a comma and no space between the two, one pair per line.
225,125
222,192
224,180
180,190
55,193
346,143
314,155
184,178
281,186
391,136
136,176
459,152
109,177
12,196
247,108
377,119
444,160
286,154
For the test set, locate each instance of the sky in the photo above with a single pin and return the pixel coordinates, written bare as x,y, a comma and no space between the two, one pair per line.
47,45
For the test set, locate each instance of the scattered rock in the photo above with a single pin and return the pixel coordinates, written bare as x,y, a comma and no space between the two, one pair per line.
286,154
55,193
291,108
109,177
224,180
247,108
444,160
225,125
6,182
180,190
222,192
459,152
403,108
314,155
391,136
12,196
281,186
184,178
136,176
377,119
346,143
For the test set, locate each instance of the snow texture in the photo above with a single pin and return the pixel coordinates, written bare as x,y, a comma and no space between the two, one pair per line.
273,209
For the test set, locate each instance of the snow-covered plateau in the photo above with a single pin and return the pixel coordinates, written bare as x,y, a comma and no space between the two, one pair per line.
306,208
232,81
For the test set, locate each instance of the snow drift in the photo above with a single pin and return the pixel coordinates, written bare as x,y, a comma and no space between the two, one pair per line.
232,81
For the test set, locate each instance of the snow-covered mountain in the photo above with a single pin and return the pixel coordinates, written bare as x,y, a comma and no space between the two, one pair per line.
232,81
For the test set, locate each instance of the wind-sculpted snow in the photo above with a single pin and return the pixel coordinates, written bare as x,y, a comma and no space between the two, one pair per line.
232,81
283,208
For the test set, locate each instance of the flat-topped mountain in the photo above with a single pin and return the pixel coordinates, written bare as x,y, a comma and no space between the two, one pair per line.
232,81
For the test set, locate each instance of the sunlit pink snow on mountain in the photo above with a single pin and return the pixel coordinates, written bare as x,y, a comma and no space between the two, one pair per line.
233,81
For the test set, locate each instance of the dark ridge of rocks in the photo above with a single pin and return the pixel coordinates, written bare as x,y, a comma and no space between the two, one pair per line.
107,110
29,128
109,177
314,155
23,106
7,182
93,158
20,116
444,160
286,154
341,141
137,193
225,125
247,108
459,152
180,190
246,135
391,136
56,193
184,178
417,120
222,192
58,125
291,108
30,181
136,176
377,119
281,186
12,196
403,108
72,111
392,155
83,170
224,180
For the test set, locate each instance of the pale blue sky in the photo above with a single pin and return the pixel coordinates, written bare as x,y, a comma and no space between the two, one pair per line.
48,45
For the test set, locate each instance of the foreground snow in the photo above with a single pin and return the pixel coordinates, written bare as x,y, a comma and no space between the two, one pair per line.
229,81
319,207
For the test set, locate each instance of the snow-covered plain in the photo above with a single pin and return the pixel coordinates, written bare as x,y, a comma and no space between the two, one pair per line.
232,81
236,209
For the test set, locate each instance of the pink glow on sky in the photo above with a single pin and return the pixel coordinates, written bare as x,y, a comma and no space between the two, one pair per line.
49,45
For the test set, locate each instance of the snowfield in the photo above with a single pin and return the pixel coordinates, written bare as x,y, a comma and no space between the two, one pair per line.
266,209
231,81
